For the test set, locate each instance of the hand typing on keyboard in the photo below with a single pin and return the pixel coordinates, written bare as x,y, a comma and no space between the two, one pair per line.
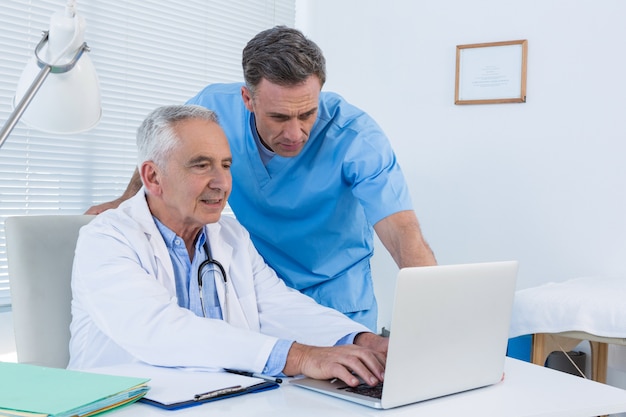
366,360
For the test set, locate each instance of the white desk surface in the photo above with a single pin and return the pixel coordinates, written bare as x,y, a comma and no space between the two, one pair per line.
528,390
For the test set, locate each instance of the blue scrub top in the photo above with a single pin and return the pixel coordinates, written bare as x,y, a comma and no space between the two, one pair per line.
311,216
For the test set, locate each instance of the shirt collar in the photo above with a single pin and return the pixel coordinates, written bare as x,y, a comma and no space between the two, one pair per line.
172,240
265,154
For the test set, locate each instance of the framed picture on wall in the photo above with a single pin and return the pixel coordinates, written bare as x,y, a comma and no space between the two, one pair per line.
491,72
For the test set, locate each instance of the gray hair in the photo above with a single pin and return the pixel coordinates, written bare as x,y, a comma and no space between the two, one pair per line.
283,56
156,136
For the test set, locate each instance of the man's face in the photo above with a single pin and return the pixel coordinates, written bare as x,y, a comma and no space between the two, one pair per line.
284,115
196,181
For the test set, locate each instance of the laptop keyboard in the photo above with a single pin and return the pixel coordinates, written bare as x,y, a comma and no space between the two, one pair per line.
364,389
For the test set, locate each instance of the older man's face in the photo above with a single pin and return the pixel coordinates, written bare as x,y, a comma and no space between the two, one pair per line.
197,180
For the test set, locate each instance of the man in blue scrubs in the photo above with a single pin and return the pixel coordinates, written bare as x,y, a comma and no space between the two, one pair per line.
313,176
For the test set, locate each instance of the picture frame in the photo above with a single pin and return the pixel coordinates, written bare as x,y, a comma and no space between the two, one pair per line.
490,73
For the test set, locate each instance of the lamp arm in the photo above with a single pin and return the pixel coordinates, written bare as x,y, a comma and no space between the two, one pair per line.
24,102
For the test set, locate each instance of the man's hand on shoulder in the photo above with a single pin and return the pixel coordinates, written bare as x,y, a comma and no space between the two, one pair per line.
132,188
99,208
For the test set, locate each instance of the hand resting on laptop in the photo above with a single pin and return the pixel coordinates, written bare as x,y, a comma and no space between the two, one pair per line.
366,358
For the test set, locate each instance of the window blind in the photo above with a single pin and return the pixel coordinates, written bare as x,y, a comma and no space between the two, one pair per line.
147,53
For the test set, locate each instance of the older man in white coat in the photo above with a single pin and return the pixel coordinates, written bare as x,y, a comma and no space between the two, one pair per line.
141,291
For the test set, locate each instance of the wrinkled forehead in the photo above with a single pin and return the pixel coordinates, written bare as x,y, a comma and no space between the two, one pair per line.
299,98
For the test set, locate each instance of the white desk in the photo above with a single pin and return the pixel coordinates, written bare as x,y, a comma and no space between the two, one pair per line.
528,390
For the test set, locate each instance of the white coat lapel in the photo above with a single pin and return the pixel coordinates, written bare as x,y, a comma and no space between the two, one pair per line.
139,212
221,251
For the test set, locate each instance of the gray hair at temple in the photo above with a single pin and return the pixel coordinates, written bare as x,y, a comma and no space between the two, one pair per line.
283,56
156,136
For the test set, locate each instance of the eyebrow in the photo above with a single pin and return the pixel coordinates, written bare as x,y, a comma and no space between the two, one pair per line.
306,113
203,158
310,112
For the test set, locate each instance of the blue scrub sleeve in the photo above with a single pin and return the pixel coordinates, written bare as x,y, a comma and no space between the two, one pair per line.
376,178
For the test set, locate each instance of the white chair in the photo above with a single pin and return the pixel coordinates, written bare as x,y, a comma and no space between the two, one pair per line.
40,253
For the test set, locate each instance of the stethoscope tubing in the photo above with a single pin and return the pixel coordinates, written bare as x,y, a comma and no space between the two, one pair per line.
220,267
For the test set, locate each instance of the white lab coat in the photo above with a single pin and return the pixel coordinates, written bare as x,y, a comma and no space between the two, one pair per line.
124,305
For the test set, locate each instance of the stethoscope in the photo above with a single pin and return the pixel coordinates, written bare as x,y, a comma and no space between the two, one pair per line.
218,265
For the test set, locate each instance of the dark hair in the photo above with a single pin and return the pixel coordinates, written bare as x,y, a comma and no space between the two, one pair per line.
283,56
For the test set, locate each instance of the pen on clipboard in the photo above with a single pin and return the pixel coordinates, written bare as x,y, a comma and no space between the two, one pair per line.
217,393
255,375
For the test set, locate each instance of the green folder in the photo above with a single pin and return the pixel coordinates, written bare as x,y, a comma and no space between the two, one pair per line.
29,390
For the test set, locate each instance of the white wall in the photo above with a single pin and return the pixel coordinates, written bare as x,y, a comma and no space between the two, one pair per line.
542,182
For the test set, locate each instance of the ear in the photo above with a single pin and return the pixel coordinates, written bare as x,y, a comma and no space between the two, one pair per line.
246,96
150,176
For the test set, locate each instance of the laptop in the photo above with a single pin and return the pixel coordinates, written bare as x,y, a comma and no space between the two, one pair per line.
449,333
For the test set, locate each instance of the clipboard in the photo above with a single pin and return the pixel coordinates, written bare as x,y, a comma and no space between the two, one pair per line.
261,386
176,388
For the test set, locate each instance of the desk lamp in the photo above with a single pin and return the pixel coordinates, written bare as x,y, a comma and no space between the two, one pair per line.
70,101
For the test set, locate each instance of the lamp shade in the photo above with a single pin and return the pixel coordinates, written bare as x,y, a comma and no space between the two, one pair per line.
69,100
